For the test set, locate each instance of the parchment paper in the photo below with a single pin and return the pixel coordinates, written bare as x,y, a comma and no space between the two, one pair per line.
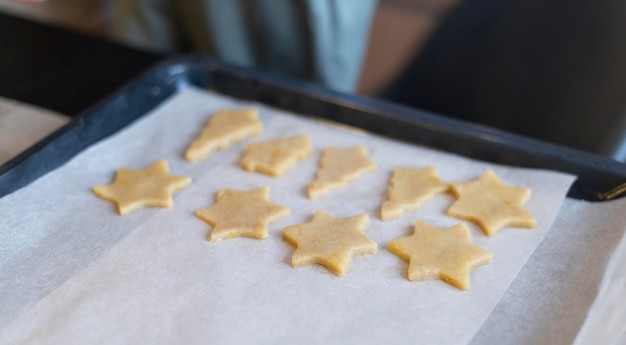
73,271
606,320
554,293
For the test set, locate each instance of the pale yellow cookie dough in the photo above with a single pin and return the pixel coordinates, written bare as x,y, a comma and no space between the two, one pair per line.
240,213
491,204
338,166
224,128
276,157
150,187
434,253
408,189
329,241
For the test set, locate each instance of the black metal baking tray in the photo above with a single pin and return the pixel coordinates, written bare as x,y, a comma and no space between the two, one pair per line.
598,178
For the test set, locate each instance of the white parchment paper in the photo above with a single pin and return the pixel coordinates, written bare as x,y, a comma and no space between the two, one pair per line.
606,320
73,271
562,283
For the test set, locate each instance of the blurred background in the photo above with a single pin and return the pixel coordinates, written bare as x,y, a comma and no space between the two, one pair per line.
549,69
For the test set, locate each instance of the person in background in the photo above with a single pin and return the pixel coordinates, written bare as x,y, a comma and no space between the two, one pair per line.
87,16
323,41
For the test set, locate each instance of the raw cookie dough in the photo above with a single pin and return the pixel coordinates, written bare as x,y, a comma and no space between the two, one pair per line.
224,129
339,166
150,187
330,241
408,189
275,157
239,213
434,253
491,204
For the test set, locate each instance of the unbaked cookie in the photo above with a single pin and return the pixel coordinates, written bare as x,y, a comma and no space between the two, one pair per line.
491,204
434,253
276,157
408,189
225,128
149,187
239,213
338,166
330,241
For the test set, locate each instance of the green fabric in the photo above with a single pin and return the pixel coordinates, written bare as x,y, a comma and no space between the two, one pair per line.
319,40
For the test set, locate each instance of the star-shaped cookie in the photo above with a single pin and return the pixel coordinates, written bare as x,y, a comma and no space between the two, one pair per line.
491,204
330,241
225,128
447,254
276,157
339,166
150,187
239,213
408,189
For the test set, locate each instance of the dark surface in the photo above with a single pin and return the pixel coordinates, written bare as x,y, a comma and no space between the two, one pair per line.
548,69
62,70
596,175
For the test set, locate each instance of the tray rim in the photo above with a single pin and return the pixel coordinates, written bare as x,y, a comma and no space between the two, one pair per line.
383,110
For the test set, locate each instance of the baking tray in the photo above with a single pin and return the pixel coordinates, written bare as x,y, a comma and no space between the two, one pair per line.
598,178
